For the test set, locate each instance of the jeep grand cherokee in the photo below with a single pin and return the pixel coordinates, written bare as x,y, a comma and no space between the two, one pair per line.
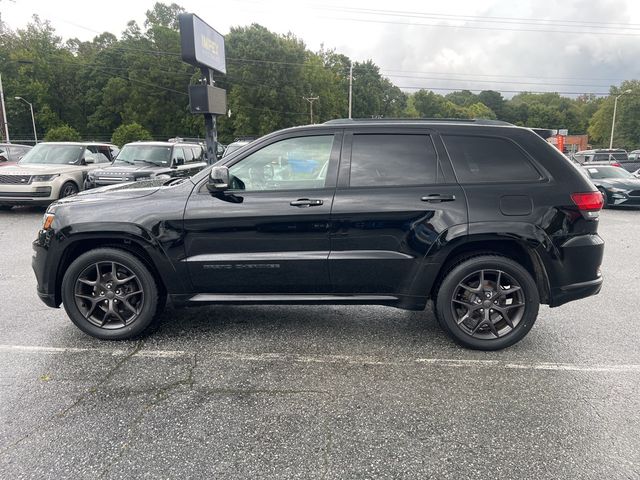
485,219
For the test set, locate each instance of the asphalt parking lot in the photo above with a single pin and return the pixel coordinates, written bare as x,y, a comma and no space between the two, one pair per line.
320,392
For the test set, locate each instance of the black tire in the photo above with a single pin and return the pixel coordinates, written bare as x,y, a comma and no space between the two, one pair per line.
458,289
68,189
605,197
118,323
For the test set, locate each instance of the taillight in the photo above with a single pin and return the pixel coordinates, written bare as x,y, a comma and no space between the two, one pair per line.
589,201
615,164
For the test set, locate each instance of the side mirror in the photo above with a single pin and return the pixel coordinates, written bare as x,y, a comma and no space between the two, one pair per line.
218,180
89,160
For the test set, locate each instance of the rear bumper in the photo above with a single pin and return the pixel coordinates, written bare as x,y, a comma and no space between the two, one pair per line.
576,291
576,270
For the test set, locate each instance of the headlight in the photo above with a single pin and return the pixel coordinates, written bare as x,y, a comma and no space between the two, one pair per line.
47,220
44,178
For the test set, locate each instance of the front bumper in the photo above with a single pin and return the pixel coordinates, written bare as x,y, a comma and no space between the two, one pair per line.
43,271
40,194
623,199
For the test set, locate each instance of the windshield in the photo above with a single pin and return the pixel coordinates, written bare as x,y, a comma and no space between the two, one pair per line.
53,154
615,156
608,172
156,154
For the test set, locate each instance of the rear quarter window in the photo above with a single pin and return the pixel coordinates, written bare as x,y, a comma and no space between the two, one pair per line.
489,159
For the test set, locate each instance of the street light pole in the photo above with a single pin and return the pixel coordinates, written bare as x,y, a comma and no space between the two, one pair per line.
613,121
33,119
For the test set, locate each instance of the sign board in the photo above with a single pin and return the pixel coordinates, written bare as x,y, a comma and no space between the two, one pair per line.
207,99
563,131
201,45
560,142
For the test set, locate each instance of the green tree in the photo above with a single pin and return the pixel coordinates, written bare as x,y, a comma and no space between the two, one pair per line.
131,132
627,131
63,133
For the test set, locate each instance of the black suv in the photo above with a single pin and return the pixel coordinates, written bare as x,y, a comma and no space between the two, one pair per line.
486,219
147,160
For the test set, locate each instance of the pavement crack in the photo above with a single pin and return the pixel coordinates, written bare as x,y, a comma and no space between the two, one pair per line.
119,364
326,457
161,393
90,391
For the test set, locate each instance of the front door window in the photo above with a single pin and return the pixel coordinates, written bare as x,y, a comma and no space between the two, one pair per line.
291,164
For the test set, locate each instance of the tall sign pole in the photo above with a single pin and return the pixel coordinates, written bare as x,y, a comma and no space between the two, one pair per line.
203,47
5,124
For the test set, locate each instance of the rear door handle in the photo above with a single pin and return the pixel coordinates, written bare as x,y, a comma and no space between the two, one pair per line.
438,197
306,202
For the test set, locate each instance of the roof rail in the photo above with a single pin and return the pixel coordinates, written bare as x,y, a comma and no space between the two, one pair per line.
186,140
477,121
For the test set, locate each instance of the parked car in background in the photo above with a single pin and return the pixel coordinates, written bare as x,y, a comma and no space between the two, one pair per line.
51,170
149,160
633,163
618,187
637,173
484,218
11,153
237,145
615,157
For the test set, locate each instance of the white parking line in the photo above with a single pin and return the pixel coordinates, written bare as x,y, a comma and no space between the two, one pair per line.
348,359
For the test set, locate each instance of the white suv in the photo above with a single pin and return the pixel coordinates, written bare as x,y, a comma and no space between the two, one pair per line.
52,170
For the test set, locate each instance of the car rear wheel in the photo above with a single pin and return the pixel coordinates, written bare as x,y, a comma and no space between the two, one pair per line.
110,294
68,189
605,197
487,302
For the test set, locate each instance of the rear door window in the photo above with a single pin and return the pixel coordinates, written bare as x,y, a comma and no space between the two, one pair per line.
392,160
489,159
188,154
197,154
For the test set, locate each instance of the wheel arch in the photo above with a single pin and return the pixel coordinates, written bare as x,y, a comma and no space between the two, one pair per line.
150,255
518,248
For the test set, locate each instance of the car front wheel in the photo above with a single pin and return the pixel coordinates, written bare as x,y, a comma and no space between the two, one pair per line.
487,302
68,189
110,294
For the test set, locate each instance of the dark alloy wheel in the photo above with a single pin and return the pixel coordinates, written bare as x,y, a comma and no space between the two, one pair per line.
68,189
110,294
487,302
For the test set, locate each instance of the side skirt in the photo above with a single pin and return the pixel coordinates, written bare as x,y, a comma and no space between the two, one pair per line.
404,302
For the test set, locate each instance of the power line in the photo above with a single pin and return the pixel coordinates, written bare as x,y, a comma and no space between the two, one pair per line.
601,94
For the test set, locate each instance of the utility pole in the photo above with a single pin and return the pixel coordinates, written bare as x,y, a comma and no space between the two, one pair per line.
311,100
350,87
3,112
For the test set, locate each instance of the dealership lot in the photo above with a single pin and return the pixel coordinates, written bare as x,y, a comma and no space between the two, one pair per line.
320,392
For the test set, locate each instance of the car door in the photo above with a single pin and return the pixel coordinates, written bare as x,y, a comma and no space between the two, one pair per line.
392,204
269,233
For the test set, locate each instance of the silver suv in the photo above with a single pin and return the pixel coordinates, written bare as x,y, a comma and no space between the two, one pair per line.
52,170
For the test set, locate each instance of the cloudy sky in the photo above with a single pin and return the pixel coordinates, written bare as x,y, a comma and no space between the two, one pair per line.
573,46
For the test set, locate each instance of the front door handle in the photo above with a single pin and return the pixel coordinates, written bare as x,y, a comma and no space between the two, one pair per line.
306,202
439,197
